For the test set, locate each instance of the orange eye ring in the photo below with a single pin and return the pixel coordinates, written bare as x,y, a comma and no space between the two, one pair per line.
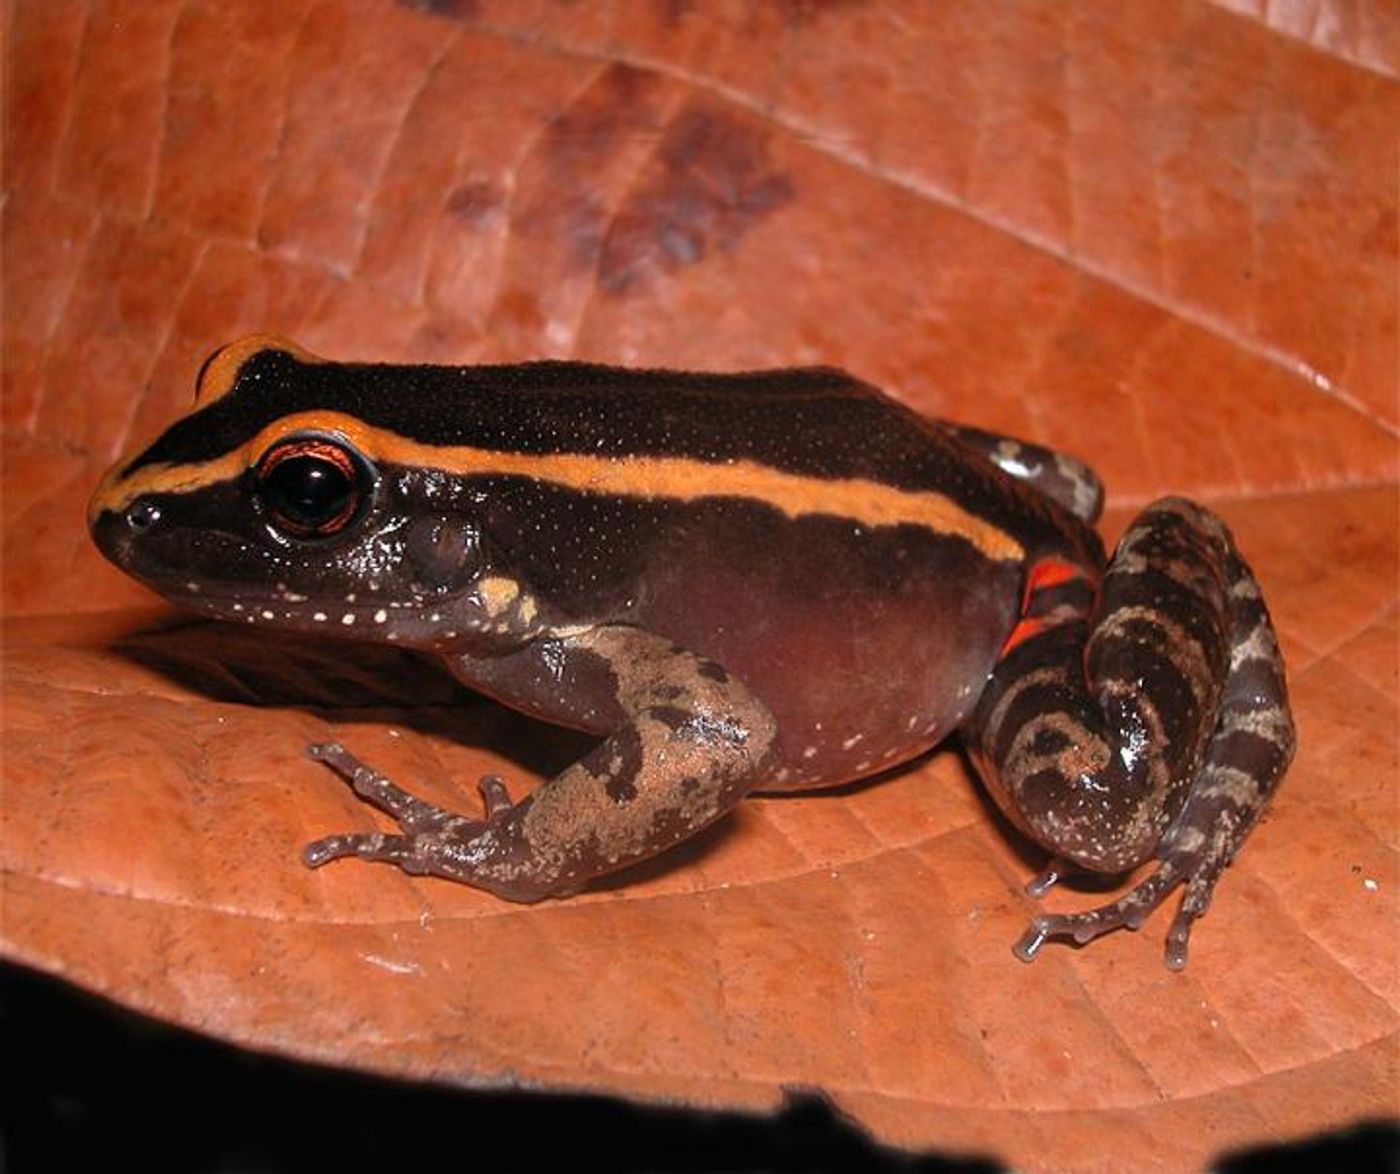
312,486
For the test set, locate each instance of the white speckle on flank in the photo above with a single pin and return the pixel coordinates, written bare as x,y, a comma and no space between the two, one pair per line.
348,618
237,607
380,616
350,598
912,722
436,617
293,597
319,617
192,587
851,741
810,752
1371,885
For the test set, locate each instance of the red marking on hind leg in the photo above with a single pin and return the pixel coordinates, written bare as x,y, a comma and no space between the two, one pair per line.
1048,572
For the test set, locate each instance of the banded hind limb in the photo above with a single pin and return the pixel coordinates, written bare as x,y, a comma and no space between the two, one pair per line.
1149,718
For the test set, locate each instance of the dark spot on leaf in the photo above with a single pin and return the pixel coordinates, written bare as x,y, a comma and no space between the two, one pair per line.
464,10
715,184
474,203
577,149
620,105
795,13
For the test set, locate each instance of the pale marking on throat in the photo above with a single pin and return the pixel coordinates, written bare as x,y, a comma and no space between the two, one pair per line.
651,478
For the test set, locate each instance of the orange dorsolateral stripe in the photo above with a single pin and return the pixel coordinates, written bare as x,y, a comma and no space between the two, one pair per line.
868,502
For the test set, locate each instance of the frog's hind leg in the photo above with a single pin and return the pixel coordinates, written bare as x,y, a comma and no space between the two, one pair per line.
1250,748
1153,722
687,742
1061,477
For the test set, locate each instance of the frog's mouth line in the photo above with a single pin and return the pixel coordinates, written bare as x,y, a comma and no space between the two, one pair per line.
412,624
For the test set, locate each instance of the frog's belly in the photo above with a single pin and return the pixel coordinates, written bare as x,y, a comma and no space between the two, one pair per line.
867,648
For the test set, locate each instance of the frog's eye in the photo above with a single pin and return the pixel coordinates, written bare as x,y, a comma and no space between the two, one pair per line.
312,486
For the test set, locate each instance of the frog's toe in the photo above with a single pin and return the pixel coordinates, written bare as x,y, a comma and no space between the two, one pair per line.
494,795
1082,927
1203,871
1051,875
328,848
412,814
405,851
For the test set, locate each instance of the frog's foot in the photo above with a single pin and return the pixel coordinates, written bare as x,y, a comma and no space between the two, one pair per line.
425,824
1198,866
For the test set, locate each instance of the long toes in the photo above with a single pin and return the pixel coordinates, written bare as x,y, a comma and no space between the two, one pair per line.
1052,874
1130,911
369,845
1178,940
412,814
335,756
1082,927
408,852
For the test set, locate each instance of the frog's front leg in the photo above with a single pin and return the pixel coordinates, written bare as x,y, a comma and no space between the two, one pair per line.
1154,720
688,742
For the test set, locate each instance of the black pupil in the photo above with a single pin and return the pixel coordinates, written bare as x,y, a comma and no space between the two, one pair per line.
308,490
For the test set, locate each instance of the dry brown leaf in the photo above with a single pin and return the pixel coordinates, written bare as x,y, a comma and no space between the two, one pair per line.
1161,236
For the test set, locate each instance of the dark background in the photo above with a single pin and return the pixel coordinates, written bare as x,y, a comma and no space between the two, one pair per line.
90,1086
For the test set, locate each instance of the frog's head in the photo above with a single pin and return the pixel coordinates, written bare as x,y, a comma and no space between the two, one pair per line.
287,498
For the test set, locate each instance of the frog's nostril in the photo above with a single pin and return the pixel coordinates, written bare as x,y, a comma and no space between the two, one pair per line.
142,516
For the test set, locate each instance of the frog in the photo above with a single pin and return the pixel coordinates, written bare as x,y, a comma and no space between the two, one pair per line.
737,583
